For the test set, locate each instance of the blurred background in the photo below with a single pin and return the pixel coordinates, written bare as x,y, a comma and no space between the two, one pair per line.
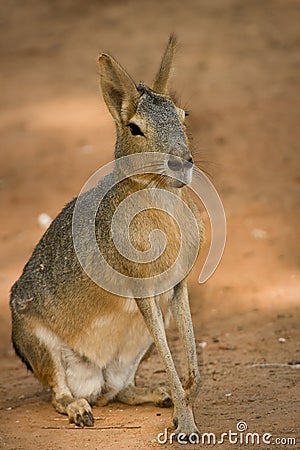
237,72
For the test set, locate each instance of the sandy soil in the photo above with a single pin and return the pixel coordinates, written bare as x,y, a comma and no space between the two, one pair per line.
237,72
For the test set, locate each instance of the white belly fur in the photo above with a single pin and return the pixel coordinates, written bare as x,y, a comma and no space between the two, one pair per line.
105,358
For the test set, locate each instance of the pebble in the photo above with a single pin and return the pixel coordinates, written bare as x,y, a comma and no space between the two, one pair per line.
44,220
202,344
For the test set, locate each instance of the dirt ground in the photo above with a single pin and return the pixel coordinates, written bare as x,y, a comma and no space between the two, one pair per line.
237,72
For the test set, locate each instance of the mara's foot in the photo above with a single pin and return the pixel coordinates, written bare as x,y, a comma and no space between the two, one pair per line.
80,413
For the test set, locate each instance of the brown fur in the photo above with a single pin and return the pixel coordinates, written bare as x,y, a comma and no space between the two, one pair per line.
81,340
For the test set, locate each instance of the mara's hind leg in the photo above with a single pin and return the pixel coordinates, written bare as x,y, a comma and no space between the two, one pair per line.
42,354
134,395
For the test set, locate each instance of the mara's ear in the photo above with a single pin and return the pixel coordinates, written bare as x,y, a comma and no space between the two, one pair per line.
119,90
163,75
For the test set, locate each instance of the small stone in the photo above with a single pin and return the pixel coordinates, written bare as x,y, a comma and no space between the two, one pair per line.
44,220
202,344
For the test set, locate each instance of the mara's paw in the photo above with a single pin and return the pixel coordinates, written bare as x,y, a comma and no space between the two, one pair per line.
186,431
163,397
80,413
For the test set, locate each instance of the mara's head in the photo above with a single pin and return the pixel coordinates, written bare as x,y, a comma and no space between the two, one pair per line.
147,119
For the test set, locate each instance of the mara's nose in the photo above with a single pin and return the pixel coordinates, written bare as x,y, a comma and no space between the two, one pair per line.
175,163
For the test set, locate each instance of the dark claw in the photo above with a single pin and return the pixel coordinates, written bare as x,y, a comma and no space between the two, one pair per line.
84,420
166,403
88,419
79,420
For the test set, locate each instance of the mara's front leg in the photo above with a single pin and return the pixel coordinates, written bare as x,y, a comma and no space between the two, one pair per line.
181,312
183,417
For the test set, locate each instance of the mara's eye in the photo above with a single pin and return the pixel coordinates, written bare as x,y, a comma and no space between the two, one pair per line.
135,129
186,113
